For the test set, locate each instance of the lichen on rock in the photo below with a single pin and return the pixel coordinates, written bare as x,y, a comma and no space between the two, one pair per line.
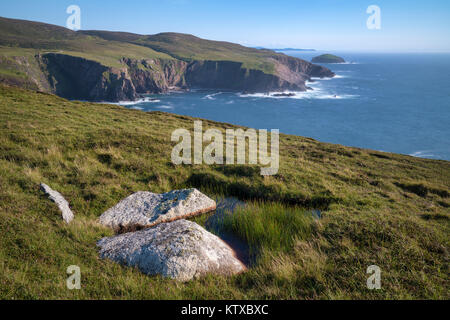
146,209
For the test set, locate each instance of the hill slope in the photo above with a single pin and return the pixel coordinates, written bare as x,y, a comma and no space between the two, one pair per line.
377,208
112,66
189,48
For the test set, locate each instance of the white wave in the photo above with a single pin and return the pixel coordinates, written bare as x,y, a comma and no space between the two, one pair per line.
120,103
422,154
319,79
337,76
136,108
211,96
313,94
132,103
164,107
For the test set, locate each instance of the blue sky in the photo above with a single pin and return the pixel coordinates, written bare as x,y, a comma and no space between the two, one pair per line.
412,26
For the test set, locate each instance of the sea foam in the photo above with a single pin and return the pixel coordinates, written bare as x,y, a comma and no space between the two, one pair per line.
211,96
139,101
316,93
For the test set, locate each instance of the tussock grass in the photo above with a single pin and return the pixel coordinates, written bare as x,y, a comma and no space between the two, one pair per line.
270,226
376,209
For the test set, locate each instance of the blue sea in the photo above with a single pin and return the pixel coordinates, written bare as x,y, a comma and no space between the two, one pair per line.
389,102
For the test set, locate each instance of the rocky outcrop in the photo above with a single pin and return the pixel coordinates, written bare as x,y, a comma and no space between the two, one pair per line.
62,203
180,250
147,209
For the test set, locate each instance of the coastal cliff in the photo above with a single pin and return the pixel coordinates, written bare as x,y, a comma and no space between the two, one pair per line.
115,66
78,78
232,76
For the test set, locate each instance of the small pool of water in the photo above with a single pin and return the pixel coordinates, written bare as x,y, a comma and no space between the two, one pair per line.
214,223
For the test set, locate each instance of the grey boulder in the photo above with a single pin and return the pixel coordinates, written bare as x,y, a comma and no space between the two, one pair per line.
62,203
146,209
180,250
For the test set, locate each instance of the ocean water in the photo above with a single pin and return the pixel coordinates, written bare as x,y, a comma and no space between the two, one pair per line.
389,102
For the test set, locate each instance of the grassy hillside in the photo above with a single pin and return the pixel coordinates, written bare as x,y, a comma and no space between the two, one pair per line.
20,37
108,47
377,208
187,47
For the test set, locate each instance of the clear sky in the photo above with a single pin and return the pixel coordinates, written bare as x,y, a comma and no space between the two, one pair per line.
406,25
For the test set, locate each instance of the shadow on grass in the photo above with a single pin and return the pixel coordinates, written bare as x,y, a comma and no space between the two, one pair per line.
257,191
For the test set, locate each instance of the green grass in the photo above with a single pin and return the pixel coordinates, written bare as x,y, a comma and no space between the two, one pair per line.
378,208
269,226
106,53
187,47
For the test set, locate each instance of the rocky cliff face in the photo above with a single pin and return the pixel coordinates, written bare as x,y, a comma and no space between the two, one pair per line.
155,75
290,74
20,71
231,75
78,78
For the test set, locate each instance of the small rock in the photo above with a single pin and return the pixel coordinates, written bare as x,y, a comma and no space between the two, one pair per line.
284,94
62,203
180,250
146,209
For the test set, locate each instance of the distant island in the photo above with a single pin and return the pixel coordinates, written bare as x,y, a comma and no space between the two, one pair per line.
327,58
